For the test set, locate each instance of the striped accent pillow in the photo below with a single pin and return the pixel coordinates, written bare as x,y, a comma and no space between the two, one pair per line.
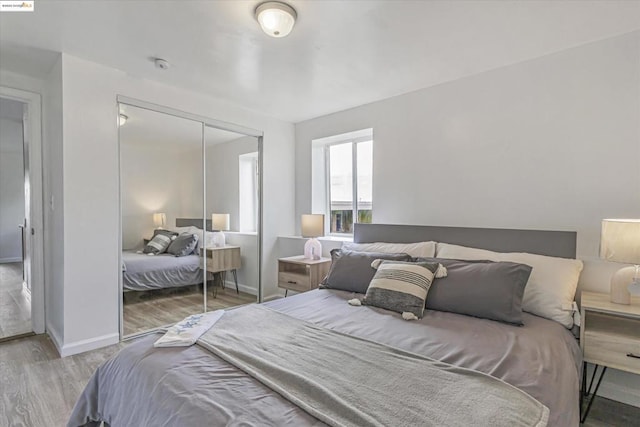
401,286
160,242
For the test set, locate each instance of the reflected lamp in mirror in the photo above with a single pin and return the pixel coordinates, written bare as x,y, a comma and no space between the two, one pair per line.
219,223
620,242
312,226
159,219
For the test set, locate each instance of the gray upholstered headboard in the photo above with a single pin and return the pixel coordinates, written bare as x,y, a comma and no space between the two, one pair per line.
195,222
551,243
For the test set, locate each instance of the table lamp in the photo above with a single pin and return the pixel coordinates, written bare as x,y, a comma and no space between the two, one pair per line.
159,220
620,242
219,223
312,226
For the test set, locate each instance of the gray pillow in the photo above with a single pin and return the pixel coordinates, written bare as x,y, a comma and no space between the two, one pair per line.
160,242
183,245
401,286
351,271
485,289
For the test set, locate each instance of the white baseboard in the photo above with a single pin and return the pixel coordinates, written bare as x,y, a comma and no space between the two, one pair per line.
272,297
8,260
242,288
89,344
55,337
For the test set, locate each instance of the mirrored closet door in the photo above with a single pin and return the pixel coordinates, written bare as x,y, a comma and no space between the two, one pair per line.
232,179
190,207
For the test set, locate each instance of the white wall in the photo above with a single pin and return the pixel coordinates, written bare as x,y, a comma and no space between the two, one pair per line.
223,187
11,189
157,179
53,190
552,143
90,159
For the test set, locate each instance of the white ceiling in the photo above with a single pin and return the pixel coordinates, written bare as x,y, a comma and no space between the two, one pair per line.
340,54
150,128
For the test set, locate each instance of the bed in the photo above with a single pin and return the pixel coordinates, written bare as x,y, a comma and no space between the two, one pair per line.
143,385
142,272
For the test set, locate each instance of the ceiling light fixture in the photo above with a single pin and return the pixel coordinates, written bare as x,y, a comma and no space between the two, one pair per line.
122,119
276,18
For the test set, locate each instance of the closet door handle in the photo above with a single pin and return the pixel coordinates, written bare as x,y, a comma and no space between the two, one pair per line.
635,356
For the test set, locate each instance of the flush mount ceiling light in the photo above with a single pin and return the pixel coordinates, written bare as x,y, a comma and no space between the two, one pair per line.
122,119
276,18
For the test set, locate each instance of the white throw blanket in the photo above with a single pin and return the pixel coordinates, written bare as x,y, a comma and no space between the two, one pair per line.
187,331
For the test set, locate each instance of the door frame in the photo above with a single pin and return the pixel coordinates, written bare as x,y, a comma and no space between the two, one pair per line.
32,141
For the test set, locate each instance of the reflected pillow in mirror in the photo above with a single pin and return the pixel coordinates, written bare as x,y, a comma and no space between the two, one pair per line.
160,242
183,245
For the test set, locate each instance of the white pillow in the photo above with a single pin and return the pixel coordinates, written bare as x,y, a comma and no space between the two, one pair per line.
552,285
420,249
181,230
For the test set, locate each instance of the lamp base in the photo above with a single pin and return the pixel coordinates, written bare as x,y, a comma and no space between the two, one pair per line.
218,239
620,285
313,249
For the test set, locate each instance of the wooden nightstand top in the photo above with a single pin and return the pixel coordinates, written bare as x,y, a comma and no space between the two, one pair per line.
300,259
220,248
600,302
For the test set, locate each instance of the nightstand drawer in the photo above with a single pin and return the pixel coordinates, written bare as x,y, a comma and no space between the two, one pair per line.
612,350
294,281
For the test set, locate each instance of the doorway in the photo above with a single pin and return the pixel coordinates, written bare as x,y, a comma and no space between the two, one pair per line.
15,294
21,285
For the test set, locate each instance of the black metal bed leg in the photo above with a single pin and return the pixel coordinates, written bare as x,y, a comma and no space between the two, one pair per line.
595,392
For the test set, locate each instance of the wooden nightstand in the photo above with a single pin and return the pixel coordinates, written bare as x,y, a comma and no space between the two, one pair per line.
609,338
220,260
300,274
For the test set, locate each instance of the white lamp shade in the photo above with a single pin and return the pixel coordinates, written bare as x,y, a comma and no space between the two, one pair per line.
159,219
276,18
620,240
312,225
220,221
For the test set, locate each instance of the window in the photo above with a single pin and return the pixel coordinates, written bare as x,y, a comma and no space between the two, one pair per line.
344,181
248,191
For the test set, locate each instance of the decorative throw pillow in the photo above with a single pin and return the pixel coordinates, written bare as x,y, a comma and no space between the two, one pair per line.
485,289
160,242
183,245
551,287
401,286
351,271
419,249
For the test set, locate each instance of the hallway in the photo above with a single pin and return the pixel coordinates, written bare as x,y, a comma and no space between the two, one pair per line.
15,302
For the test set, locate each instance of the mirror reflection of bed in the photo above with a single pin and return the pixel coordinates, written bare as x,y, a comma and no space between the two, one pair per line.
167,162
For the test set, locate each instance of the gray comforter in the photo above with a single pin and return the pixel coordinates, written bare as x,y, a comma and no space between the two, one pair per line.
351,382
142,272
143,386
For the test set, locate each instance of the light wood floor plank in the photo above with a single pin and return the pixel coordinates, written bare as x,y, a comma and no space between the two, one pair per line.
15,306
148,310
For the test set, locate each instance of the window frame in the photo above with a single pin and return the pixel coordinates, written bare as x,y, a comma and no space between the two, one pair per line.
354,178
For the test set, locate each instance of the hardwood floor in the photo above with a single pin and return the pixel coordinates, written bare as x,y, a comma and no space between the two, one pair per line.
15,304
40,389
147,310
